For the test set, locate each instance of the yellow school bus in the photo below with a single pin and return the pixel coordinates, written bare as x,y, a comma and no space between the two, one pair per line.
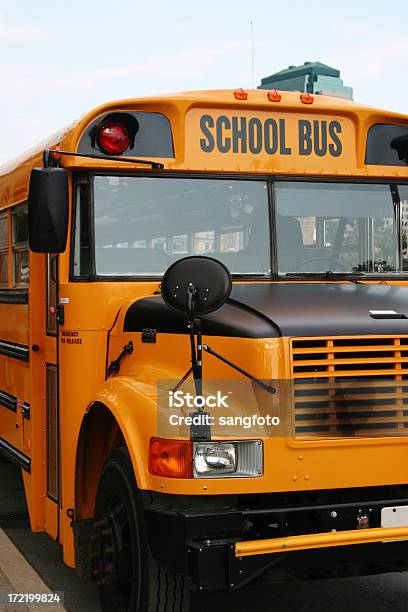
303,201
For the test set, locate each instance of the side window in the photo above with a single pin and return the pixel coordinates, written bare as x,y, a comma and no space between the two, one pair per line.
19,239
3,249
52,297
340,227
82,247
52,432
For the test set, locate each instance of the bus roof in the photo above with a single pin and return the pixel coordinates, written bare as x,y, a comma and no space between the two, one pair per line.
178,107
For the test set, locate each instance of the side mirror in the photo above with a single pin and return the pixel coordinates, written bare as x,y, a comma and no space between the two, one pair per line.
196,285
48,210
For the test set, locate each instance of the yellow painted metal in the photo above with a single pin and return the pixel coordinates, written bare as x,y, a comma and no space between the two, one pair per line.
320,540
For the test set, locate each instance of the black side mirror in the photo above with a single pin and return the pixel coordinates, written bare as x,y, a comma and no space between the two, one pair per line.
196,285
48,210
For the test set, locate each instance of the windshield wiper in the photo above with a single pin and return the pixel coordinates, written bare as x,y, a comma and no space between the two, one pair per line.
329,275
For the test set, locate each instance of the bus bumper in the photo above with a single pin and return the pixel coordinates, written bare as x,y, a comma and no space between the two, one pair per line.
230,565
211,545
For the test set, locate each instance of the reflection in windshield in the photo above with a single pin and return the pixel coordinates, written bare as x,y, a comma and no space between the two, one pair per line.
335,227
144,224
403,196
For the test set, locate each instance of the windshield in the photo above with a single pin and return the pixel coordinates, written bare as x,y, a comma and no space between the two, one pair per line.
324,227
144,224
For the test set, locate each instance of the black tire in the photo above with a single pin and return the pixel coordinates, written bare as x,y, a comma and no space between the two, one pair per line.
130,580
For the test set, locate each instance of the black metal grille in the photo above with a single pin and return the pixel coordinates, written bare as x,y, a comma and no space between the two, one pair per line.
348,387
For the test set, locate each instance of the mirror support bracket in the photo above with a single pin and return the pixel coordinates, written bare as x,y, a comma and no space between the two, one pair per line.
196,286
257,381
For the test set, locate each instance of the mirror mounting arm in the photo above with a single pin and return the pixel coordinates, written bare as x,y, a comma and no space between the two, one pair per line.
194,327
53,154
196,285
261,384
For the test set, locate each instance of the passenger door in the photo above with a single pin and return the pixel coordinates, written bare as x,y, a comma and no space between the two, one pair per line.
44,373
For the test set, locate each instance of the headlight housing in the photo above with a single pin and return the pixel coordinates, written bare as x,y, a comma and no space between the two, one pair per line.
239,459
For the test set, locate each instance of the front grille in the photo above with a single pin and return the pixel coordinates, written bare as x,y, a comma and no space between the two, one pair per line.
348,387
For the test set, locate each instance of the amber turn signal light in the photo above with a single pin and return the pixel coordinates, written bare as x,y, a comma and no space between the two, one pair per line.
171,458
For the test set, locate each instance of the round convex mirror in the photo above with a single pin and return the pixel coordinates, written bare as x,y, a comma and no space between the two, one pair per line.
207,278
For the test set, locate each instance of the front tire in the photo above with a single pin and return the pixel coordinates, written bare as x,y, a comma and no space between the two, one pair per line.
128,577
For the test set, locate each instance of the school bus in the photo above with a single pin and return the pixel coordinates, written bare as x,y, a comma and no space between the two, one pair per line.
304,199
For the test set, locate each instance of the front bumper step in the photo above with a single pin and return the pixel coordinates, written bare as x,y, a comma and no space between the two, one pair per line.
231,563
320,540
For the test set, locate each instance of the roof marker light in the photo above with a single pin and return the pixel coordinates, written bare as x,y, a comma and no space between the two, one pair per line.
306,98
240,94
274,96
113,138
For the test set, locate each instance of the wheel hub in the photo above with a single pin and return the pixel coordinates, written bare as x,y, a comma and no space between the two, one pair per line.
111,545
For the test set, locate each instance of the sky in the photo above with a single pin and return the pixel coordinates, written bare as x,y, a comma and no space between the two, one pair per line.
60,59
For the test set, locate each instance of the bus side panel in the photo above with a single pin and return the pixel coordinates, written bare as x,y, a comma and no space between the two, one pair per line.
14,372
14,323
82,358
36,486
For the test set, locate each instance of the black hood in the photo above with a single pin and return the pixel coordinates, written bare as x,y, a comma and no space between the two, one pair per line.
260,310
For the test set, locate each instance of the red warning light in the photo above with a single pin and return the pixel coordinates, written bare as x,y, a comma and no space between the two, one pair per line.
113,138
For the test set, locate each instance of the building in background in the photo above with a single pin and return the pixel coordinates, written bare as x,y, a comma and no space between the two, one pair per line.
312,77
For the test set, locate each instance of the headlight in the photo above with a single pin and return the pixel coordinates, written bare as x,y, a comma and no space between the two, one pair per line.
243,458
